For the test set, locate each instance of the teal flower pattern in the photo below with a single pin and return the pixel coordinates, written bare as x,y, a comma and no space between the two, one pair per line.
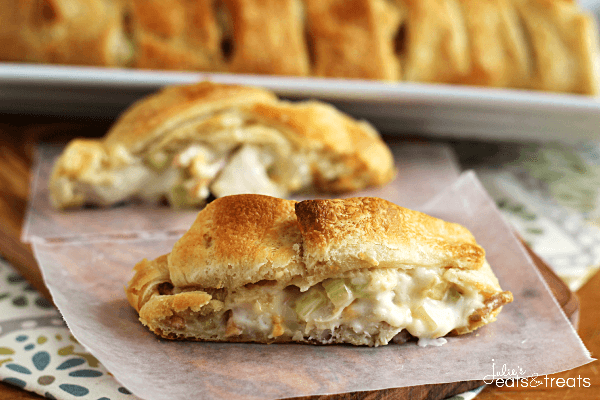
17,297
50,362
39,354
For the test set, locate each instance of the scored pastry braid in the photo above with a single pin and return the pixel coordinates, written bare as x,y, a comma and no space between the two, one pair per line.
530,44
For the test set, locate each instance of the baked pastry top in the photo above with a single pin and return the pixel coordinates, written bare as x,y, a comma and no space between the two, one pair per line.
528,44
354,38
84,32
266,36
187,142
174,34
361,270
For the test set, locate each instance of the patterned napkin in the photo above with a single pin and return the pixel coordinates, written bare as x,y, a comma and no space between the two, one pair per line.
39,354
550,193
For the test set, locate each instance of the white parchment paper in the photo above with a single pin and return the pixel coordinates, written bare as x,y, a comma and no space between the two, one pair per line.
531,335
424,169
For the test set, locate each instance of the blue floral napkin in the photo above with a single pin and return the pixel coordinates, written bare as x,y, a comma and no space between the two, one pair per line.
39,354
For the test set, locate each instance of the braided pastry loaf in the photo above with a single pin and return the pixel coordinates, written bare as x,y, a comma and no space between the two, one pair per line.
531,44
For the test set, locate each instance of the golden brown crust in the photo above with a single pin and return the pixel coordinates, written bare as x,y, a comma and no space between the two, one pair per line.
563,45
176,34
215,253
268,37
318,126
498,45
144,284
160,307
335,236
487,313
154,115
342,235
354,39
84,32
436,47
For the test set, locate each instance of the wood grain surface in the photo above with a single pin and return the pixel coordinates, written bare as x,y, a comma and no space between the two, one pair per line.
18,136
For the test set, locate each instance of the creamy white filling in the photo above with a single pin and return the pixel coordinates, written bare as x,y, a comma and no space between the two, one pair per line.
330,170
133,181
193,170
194,152
159,185
246,172
187,176
424,342
295,171
400,298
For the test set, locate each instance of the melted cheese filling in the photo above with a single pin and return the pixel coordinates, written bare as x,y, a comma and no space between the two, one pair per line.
417,300
188,177
133,181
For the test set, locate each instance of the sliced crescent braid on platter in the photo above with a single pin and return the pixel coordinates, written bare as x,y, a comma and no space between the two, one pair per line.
187,142
529,44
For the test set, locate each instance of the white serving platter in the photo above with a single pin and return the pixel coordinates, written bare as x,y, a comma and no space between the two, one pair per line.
396,108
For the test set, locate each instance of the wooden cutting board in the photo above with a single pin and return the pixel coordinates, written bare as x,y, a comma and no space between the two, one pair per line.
18,136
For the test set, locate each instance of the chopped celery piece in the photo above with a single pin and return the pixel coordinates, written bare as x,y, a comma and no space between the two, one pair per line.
338,292
309,302
158,161
179,197
359,291
453,294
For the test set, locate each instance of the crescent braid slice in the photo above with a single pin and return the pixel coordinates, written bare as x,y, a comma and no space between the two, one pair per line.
187,142
365,271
